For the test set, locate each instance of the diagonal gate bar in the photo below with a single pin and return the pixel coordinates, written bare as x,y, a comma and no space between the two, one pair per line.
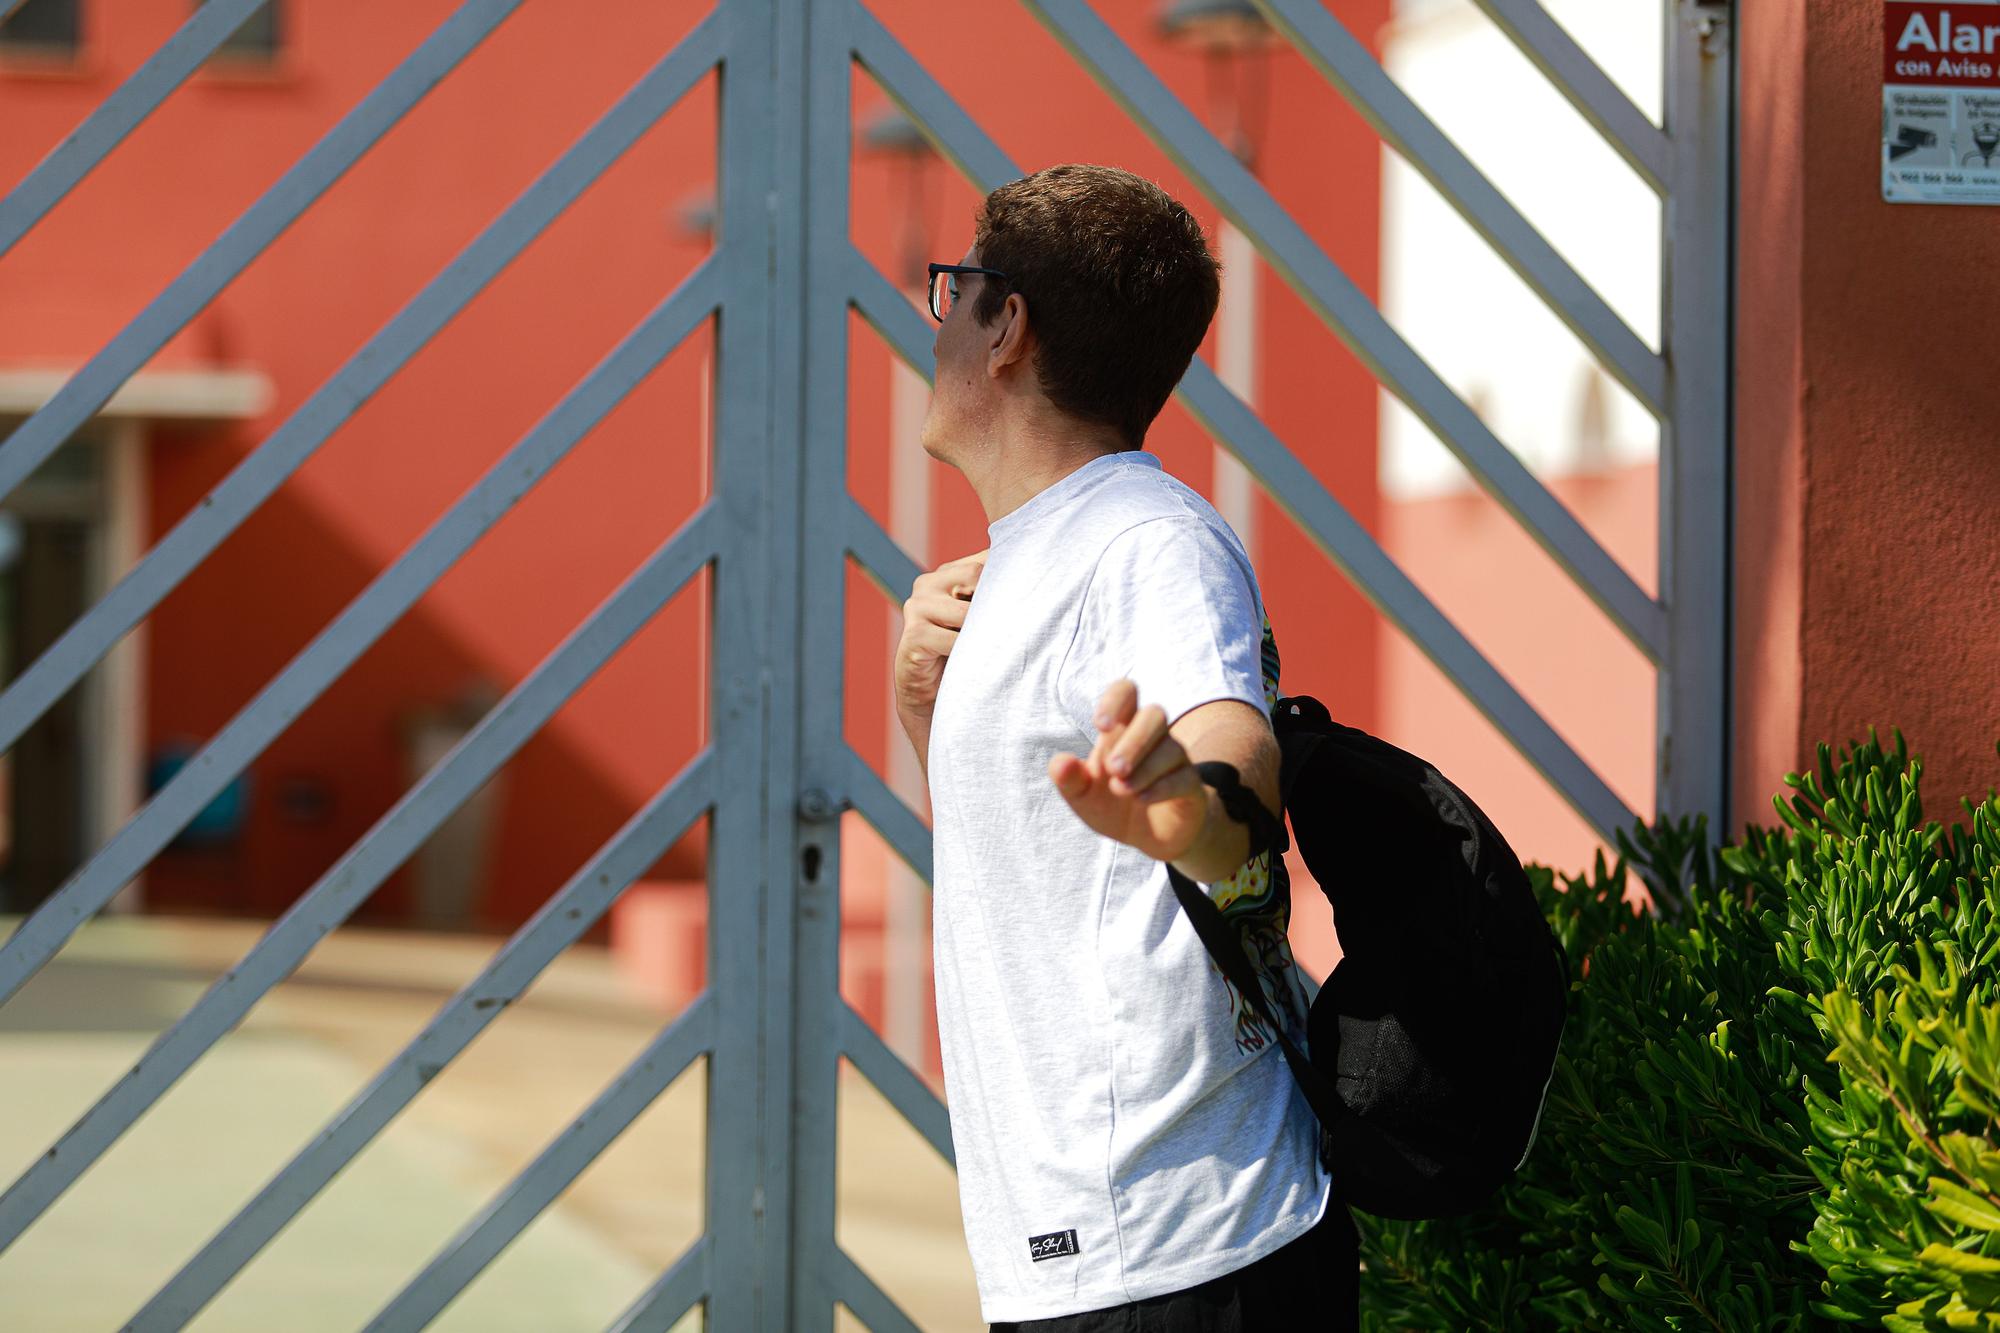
1629,131
467,1254
253,480
118,115
889,314
1353,317
560,923
333,898
1348,66
956,135
392,593
246,238
660,1307
885,563
892,1078
896,822
853,1288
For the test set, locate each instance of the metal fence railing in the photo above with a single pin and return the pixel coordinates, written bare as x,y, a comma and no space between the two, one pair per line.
777,531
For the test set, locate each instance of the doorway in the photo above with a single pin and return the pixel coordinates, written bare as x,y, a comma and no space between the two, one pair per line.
52,539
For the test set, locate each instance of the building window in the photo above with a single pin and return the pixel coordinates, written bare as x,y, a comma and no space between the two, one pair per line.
256,39
40,27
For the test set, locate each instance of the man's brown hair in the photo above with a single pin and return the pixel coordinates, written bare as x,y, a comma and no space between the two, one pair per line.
1119,282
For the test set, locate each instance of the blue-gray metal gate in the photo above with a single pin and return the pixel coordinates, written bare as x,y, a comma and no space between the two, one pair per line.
777,530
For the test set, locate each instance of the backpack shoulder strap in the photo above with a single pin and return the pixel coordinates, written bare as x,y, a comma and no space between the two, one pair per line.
1225,945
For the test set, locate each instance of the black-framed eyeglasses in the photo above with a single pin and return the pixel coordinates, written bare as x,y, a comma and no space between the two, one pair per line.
944,285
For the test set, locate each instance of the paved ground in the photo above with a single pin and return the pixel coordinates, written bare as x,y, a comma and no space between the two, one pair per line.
312,1043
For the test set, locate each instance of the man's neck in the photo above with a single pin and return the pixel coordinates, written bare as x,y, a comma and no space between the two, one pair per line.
1025,458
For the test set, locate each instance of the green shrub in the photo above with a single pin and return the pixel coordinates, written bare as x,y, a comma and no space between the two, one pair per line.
1775,1105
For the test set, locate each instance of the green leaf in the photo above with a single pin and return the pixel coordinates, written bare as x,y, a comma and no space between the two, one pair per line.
1974,1158
1641,1230
1958,1204
1974,1277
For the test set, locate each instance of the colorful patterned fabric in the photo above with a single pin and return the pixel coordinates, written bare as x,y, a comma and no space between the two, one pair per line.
1257,898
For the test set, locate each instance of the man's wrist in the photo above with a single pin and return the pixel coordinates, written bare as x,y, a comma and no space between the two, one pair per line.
1219,849
917,726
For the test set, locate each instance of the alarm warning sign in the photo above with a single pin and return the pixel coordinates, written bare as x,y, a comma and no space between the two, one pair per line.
1941,102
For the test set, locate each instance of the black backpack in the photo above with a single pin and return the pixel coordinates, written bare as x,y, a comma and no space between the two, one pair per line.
1434,1040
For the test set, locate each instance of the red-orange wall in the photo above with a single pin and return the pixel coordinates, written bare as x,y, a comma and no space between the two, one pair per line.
297,314
1867,477
366,247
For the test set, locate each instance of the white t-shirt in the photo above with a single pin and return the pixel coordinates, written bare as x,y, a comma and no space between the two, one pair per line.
1124,1126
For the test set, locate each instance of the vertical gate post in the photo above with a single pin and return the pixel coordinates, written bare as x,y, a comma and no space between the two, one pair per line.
817,218
780,470
746,1191
1695,537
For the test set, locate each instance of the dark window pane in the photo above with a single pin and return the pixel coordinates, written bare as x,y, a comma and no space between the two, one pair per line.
256,38
45,24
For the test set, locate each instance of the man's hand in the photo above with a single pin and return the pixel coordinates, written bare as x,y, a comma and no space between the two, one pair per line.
1139,784
932,617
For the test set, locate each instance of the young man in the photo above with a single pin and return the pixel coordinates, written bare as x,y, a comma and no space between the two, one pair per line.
1132,1152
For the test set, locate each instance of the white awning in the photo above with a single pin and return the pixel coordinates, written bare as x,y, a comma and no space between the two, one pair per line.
201,395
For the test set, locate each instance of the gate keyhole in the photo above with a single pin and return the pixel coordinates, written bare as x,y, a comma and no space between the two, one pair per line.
810,859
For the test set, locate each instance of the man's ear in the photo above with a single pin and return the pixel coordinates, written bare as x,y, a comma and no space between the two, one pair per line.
1011,338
